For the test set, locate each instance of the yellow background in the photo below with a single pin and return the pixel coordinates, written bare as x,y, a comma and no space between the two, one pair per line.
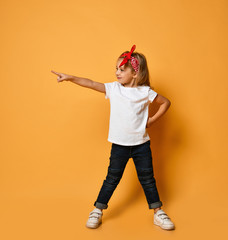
54,149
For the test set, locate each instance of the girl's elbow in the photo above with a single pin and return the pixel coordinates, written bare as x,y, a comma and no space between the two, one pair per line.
168,103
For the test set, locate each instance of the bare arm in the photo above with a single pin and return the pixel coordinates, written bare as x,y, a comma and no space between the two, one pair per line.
84,82
164,106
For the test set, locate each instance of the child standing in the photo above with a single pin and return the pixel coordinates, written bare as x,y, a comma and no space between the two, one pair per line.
129,97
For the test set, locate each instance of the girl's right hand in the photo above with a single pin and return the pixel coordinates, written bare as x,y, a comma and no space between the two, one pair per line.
62,76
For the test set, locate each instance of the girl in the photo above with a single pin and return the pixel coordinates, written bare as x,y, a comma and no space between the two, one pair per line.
129,97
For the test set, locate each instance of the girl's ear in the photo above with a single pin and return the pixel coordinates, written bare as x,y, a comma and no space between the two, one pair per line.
135,74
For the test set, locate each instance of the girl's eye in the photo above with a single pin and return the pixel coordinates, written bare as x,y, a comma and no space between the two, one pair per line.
120,69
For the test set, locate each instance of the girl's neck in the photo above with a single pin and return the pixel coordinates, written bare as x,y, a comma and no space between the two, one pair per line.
129,86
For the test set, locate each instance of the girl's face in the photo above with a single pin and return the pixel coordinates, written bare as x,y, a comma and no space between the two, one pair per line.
125,75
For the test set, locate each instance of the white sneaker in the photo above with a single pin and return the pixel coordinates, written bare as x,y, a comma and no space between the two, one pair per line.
162,220
95,218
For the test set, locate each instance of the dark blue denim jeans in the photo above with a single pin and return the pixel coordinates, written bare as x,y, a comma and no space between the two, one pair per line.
142,158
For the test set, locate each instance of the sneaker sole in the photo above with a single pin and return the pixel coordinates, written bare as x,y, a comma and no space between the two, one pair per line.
163,227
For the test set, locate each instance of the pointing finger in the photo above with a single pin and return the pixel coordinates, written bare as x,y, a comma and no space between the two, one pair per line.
55,73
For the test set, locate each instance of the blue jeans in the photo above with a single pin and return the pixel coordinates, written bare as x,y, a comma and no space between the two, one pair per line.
142,158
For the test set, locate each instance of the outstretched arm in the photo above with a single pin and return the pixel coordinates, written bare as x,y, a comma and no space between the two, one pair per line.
84,82
164,106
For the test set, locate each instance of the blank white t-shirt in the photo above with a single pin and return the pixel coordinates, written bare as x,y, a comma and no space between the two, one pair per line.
128,113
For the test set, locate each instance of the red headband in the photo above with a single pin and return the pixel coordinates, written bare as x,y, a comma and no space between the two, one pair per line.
134,61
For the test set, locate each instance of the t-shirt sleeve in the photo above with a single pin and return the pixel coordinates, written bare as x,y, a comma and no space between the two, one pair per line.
108,89
152,95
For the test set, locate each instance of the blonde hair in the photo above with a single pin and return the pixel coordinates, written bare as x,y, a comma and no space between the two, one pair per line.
143,78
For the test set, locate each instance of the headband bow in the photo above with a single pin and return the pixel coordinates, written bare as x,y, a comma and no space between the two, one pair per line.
134,61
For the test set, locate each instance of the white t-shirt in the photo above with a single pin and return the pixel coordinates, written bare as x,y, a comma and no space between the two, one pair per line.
128,113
